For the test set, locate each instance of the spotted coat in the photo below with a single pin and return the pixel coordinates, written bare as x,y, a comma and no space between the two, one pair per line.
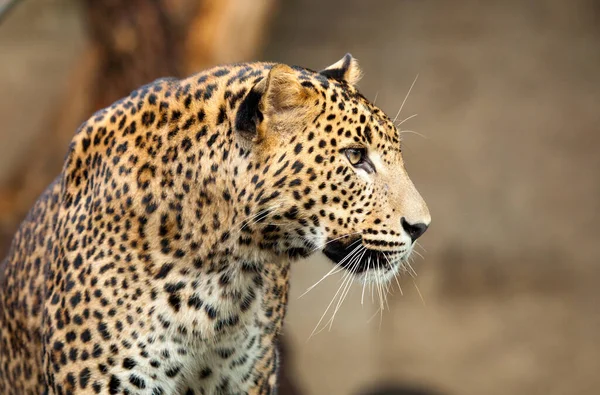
158,261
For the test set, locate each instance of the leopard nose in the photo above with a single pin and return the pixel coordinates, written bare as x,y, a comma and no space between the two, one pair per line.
414,230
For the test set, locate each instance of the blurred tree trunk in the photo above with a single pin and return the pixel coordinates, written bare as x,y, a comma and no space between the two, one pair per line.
131,43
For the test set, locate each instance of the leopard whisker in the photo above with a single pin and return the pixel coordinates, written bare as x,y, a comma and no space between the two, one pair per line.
413,132
405,120
373,316
395,275
420,246
379,291
411,270
406,97
419,292
362,297
353,268
315,330
336,269
418,253
336,294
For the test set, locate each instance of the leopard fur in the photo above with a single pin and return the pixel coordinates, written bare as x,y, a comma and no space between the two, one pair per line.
158,261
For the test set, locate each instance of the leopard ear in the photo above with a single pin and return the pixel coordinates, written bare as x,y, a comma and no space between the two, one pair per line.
344,70
283,91
279,100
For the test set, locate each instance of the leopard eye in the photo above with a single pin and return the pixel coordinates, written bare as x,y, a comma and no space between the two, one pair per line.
355,155
358,158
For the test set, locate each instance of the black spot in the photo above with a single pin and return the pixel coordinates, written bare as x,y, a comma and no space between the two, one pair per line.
128,363
175,115
221,72
202,132
211,312
164,271
224,279
297,166
186,144
174,287
172,372
86,144
175,301
368,134
225,353
113,385
71,379
212,139
222,115
148,118
75,299
102,328
86,336
78,261
206,372
209,91
225,237
84,377
70,336
137,381
96,351
195,301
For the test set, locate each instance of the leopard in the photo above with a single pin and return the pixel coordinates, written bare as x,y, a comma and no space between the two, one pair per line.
158,261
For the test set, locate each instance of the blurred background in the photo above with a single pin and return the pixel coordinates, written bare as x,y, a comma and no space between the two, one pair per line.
506,299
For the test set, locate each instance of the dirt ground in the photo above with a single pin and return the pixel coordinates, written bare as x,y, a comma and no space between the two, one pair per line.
508,97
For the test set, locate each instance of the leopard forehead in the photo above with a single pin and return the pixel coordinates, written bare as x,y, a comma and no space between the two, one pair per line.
349,118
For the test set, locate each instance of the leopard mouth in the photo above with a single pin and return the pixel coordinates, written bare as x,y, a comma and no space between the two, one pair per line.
348,255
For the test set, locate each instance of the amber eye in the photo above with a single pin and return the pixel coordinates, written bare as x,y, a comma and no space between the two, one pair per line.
358,158
355,155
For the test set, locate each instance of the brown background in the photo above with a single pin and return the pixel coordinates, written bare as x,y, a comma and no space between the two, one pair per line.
508,97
